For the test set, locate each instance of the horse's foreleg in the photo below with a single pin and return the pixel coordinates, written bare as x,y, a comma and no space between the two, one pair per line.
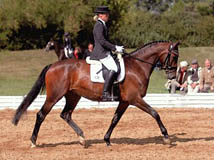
71,102
117,115
141,104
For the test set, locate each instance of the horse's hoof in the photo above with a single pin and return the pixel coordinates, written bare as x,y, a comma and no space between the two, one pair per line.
166,141
108,144
82,141
33,145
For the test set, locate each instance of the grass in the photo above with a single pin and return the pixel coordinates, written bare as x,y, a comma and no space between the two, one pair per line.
20,69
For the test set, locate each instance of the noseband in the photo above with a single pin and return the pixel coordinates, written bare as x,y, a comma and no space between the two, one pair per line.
167,64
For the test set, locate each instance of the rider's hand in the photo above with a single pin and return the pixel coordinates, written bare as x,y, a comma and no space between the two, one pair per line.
119,48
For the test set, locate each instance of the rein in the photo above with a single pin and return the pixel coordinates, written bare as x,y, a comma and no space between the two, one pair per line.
130,56
166,61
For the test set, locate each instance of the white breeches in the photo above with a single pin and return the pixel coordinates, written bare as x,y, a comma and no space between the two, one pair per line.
109,63
191,90
68,52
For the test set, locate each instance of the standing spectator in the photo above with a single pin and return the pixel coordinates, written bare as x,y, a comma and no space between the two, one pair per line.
193,77
180,83
88,51
207,77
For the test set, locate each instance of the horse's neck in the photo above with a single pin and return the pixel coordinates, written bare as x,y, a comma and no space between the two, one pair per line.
148,57
146,60
150,54
57,49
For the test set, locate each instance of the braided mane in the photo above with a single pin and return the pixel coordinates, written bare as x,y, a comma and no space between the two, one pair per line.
148,45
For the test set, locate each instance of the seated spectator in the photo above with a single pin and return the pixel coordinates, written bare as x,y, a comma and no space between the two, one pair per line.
207,77
193,77
88,51
180,83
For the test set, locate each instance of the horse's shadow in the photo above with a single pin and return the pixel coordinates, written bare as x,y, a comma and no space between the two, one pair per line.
133,141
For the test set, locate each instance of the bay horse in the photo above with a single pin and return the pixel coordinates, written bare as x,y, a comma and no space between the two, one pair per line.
58,48
70,78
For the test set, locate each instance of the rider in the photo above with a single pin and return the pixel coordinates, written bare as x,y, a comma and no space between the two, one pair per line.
68,48
103,48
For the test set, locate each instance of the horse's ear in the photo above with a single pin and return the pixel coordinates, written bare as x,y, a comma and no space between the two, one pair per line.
176,44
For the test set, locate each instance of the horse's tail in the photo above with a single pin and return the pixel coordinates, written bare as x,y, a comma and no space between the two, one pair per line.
37,87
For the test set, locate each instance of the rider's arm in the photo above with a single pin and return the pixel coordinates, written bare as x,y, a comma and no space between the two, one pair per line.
100,37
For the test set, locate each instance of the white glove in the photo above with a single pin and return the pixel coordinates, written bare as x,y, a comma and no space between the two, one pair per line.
119,48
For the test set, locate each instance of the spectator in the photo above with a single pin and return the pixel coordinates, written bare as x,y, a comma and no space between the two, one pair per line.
77,53
193,77
88,51
180,83
207,77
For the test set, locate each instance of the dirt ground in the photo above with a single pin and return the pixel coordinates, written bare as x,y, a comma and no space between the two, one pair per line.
137,136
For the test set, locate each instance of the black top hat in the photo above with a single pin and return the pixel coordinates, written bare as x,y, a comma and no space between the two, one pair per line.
102,9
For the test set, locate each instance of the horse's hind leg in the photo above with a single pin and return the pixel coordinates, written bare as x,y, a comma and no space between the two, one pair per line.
117,115
141,104
71,101
46,108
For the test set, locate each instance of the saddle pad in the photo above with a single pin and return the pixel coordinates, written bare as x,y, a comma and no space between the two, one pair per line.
96,73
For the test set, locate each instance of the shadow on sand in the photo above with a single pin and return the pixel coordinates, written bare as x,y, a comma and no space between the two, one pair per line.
133,141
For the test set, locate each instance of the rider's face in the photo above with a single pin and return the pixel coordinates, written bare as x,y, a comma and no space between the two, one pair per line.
104,16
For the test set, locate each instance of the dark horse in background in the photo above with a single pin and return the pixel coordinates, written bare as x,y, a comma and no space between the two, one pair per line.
71,79
59,49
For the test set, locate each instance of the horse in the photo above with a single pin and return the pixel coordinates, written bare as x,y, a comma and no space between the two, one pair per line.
70,78
59,49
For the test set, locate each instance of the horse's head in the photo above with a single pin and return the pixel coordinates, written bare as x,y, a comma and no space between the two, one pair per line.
49,46
169,59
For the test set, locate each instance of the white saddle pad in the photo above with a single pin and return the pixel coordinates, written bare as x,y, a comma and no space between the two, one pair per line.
96,73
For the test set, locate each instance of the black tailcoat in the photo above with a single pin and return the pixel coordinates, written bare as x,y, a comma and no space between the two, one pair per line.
102,44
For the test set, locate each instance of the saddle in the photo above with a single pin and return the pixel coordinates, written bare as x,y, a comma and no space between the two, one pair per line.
97,70
97,74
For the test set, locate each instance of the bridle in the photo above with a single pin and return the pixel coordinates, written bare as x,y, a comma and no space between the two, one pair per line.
166,65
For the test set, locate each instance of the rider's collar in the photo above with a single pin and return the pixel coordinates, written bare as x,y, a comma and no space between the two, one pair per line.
102,21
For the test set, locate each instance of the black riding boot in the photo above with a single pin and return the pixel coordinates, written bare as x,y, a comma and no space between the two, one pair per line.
108,85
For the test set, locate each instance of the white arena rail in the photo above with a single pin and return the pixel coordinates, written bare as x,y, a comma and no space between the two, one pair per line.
199,100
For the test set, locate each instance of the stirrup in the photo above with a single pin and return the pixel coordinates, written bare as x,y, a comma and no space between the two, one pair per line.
107,97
